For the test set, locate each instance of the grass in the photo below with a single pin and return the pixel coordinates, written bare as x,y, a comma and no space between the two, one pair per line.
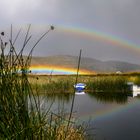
63,84
21,113
108,84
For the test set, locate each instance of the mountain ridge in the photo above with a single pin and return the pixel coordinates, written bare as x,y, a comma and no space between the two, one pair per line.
87,63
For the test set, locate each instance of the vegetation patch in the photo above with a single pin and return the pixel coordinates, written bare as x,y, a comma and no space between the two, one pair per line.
21,115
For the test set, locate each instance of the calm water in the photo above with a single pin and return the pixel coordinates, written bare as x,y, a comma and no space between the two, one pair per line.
111,117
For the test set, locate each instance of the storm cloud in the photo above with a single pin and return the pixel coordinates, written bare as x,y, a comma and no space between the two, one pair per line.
115,18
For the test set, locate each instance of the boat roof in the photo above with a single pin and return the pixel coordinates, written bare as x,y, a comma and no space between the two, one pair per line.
80,84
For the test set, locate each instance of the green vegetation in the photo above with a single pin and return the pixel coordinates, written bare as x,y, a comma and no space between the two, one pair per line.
21,115
63,84
108,84
59,86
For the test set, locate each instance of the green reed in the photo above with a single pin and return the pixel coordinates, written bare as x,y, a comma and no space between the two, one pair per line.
107,84
21,115
64,84
61,86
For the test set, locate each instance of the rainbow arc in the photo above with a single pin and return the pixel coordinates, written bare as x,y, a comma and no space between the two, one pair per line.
36,69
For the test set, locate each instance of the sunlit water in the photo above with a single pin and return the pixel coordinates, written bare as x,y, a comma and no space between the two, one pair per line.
110,117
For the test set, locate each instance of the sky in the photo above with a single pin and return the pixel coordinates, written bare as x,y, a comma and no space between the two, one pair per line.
103,29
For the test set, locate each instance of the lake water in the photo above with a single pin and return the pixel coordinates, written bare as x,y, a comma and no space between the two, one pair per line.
110,117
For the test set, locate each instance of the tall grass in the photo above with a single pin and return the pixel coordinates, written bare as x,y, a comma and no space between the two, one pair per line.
21,115
64,84
108,84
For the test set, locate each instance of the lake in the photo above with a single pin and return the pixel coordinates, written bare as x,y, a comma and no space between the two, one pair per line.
110,116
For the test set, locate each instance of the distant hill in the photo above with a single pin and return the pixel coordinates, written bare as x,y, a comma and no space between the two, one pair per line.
86,63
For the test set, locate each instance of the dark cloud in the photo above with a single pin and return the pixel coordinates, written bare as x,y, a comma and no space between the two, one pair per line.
115,17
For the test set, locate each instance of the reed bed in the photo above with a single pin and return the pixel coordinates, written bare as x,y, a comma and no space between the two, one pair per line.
64,84
108,84
21,115
59,85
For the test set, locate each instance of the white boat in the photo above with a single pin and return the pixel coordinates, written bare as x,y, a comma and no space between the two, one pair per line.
134,88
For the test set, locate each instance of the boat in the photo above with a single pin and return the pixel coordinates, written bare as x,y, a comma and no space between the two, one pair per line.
134,88
79,87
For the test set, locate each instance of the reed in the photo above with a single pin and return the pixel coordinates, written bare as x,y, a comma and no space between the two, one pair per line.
61,86
108,84
21,114
64,84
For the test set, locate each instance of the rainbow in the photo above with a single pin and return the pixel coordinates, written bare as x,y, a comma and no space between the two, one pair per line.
92,33
36,69
89,33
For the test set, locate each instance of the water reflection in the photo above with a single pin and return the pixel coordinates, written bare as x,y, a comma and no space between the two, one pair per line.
60,96
110,97
110,112
80,93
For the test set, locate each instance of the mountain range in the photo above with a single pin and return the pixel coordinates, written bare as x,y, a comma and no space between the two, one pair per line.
86,63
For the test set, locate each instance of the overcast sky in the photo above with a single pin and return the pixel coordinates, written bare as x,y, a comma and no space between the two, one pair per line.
117,18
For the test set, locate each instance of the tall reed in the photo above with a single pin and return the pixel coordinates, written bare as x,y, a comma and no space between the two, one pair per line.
21,115
73,98
108,84
64,84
